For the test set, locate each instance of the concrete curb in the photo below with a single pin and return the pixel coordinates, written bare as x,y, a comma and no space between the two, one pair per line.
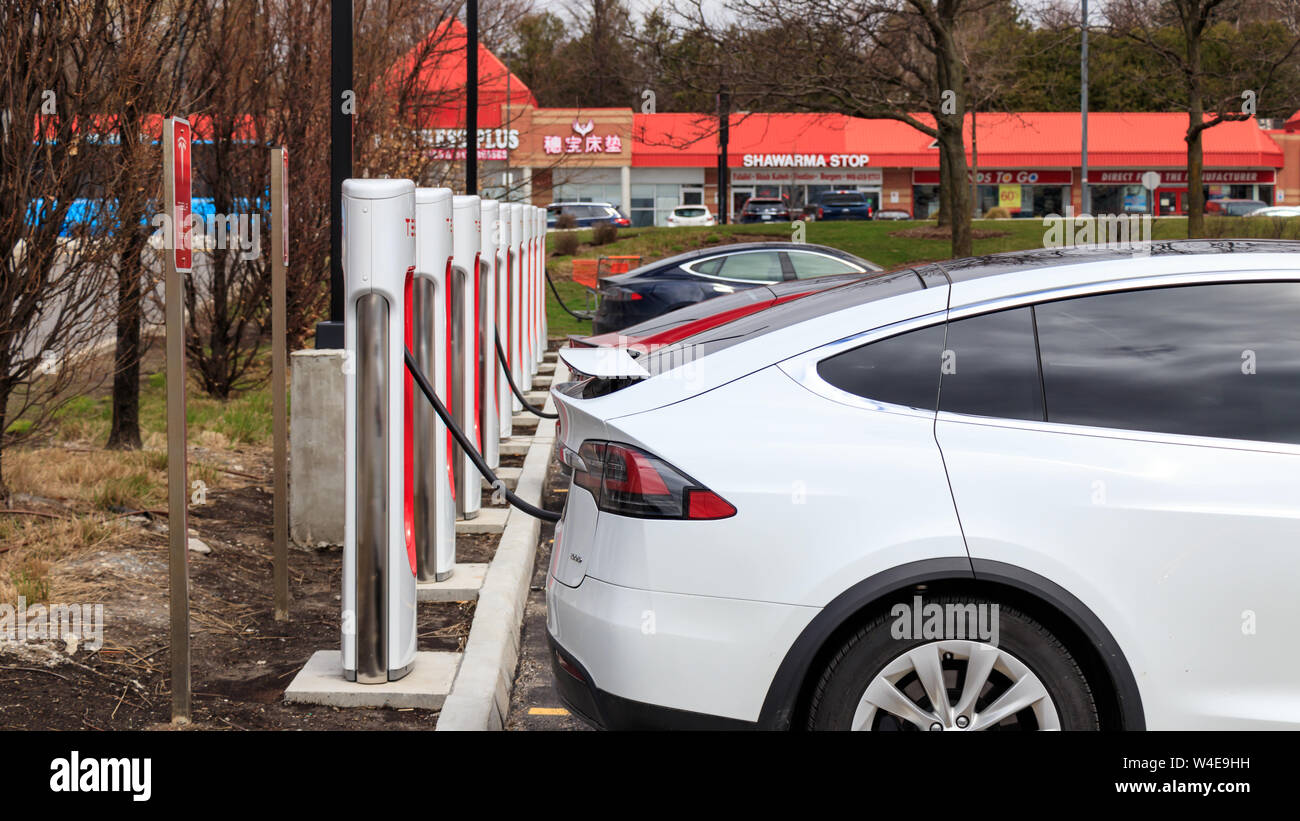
480,695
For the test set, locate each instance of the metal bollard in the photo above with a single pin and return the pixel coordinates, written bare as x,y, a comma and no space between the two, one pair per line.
505,397
489,420
435,506
465,340
378,590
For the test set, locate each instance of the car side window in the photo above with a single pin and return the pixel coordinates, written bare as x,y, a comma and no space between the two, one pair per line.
990,367
708,266
1202,360
807,265
760,266
901,370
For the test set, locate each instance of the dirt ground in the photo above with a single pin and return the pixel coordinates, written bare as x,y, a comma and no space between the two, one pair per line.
242,659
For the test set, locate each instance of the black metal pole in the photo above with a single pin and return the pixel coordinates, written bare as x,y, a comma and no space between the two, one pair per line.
342,105
471,97
724,117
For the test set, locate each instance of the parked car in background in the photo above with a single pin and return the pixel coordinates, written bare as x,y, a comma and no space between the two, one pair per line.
1092,481
843,205
674,326
1227,207
892,214
765,209
586,214
685,279
691,215
1277,211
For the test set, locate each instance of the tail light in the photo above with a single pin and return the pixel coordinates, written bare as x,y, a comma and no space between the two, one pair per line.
622,222
616,294
820,212
630,482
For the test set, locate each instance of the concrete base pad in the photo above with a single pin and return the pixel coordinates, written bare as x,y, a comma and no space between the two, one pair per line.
488,520
537,398
465,582
508,475
517,446
425,687
522,422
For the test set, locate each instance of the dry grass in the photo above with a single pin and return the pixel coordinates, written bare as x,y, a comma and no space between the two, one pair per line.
83,491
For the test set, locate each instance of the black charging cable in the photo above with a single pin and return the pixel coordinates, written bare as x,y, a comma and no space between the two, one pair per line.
463,441
566,308
501,357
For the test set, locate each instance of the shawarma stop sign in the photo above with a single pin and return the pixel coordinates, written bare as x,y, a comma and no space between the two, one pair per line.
179,139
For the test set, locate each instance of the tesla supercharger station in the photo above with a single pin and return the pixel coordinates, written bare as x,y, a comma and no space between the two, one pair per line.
465,338
489,421
505,400
378,551
539,282
527,264
520,263
540,214
435,506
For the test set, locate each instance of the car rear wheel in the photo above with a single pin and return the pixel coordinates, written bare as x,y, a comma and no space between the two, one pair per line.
878,680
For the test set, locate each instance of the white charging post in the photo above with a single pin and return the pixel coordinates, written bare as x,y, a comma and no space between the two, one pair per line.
489,422
435,506
540,214
505,399
466,242
534,235
378,549
523,250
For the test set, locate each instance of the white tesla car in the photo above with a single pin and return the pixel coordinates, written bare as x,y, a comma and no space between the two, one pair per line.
1054,489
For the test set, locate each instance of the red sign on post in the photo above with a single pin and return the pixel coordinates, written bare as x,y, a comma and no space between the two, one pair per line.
182,235
283,205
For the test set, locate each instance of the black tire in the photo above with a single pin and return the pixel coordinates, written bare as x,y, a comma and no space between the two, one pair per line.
872,647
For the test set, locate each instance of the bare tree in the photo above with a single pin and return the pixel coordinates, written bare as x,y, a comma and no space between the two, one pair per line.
148,39
1180,33
55,270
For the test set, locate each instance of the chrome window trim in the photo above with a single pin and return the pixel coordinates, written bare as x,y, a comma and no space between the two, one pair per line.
802,368
690,269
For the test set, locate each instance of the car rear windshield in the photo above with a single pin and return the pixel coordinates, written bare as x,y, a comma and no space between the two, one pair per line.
855,292
754,205
844,199
690,212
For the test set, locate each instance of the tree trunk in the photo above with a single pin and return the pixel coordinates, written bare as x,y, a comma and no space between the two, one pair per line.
944,216
125,431
1195,120
950,143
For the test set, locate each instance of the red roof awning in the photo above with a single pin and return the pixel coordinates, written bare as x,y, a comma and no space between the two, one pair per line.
1037,140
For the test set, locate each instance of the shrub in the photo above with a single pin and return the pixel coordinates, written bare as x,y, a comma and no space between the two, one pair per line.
566,221
603,233
566,245
997,213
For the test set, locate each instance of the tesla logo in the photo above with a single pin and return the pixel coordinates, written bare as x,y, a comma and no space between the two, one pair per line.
582,129
574,557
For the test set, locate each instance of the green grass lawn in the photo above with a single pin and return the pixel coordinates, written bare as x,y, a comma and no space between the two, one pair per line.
870,240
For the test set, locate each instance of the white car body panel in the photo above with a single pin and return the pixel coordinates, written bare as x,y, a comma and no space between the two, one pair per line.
1185,548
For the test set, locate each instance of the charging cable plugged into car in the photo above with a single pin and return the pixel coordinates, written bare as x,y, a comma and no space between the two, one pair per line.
461,439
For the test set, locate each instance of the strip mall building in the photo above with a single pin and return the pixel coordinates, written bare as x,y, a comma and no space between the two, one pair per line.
1028,163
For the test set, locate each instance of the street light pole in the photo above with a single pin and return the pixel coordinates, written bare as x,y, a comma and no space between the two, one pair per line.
1086,200
471,97
342,104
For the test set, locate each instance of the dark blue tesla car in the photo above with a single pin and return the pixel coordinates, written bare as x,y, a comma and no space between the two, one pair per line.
675,282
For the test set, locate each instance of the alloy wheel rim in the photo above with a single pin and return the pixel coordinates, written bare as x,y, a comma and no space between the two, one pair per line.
956,685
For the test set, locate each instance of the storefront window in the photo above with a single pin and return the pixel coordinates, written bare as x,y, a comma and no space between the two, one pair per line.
1119,199
588,192
652,203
